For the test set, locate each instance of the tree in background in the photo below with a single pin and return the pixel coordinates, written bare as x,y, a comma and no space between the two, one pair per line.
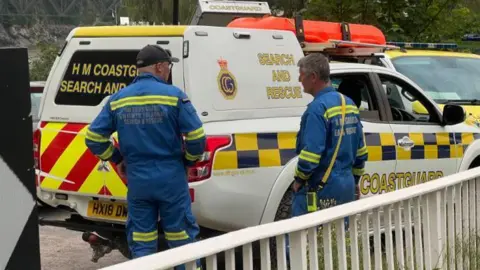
159,12
410,20
406,20
40,68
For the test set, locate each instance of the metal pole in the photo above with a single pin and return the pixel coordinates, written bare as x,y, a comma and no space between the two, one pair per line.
175,11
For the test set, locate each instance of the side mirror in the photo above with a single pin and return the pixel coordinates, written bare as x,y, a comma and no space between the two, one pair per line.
418,108
453,114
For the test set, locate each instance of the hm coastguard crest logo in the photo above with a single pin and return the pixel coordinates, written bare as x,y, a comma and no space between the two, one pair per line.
227,83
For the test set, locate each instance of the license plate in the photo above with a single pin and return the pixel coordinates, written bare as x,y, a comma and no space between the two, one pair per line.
107,210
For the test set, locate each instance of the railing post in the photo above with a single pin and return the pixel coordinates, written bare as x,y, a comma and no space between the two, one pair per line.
435,229
298,250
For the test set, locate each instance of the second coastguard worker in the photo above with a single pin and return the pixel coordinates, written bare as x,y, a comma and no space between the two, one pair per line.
150,117
330,143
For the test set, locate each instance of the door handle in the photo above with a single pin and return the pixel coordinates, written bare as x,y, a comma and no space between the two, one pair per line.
406,143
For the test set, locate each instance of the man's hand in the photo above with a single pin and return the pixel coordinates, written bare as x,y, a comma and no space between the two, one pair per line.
296,186
122,170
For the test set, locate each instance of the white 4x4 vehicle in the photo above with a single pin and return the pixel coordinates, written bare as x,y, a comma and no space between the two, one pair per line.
243,83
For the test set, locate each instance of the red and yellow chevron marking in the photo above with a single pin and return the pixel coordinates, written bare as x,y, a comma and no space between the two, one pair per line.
71,166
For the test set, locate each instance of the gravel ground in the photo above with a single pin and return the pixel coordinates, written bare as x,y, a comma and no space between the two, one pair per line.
63,249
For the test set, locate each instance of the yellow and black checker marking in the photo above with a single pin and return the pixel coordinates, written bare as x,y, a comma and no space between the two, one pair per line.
253,150
464,140
384,146
256,150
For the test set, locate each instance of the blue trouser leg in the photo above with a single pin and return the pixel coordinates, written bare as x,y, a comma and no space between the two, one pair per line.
299,206
177,220
141,227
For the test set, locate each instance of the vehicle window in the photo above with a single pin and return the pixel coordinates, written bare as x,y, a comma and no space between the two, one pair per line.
35,100
405,104
443,78
93,75
359,89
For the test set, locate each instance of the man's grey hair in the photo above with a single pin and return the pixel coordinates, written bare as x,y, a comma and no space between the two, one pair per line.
316,63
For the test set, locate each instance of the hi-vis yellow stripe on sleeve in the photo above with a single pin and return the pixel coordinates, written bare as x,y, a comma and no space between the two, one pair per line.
301,175
107,153
191,157
309,156
144,100
92,136
358,172
362,151
196,134
337,110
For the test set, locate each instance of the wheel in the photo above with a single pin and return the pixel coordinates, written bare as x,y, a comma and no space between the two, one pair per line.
283,212
475,163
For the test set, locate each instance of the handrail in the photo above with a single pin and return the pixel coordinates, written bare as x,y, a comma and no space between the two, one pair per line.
205,248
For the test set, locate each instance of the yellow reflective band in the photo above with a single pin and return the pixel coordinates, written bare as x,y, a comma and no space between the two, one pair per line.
358,172
107,154
196,134
337,110
309,156
176,236
92,136
301,175
144,100
145,237
362,151
191,157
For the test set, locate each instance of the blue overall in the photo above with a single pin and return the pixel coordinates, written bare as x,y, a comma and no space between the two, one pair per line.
316,143
150,118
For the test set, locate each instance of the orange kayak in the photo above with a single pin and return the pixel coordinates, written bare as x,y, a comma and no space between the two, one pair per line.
315,31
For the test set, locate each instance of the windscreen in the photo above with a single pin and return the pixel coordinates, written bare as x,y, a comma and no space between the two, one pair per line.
444,79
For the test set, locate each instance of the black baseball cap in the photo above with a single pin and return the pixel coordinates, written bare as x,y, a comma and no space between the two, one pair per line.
152,54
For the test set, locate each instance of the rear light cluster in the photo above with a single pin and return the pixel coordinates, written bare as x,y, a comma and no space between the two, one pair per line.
36,150
203,169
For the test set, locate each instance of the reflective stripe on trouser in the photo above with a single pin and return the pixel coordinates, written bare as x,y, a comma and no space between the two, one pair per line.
177,220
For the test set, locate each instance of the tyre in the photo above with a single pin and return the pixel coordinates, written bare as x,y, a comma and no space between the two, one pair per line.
283,212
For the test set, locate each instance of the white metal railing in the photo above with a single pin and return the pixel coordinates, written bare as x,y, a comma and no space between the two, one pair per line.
443,217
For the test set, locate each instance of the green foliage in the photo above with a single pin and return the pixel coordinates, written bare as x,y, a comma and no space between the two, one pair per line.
334,248
409,20
159,12
466,251
40,68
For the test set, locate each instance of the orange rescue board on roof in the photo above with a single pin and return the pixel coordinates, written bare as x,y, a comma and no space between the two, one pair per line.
315,31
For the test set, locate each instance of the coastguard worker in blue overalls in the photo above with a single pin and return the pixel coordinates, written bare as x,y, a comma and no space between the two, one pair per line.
150,117
330,144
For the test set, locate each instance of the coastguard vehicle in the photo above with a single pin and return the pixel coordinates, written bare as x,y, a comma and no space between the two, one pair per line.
448,77
244,85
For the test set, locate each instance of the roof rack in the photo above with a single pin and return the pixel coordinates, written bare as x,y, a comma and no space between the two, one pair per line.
343,50
337,47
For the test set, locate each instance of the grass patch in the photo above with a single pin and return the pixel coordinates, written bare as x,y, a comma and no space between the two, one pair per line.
467,253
